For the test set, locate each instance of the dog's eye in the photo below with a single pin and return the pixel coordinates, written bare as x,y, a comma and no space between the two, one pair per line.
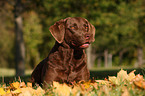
72,27
86,26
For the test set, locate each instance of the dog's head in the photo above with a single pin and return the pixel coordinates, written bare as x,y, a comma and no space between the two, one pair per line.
75,31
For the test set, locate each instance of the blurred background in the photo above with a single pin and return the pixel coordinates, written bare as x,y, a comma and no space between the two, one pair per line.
25,38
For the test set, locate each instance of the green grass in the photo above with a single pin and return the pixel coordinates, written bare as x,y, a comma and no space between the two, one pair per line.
115,68
4,72
122,89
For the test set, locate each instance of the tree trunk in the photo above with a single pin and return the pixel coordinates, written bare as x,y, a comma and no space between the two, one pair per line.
140,56
121,55
99,61
90,57
106,58
20,48
109,60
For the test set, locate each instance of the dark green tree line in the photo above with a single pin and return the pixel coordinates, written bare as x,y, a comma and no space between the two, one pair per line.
119,29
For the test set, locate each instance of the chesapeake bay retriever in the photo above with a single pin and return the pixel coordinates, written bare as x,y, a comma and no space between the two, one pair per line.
67,60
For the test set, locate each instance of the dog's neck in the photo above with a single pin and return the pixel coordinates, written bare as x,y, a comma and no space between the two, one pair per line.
77,52
72,58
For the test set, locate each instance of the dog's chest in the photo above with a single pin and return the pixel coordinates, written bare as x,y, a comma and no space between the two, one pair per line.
73,62
68,63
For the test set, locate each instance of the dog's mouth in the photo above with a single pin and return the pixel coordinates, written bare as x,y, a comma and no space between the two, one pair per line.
85,45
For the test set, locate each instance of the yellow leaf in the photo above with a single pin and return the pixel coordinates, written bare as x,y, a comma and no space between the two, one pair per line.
22,84
138,77
29,84
87,84
105,90
95,85
139,81
62,89
125,93
8,91
104,82
76,91
122,75
140,84
17,91
131,75
113,80
27,93
40,91
15,85
28,90
2,92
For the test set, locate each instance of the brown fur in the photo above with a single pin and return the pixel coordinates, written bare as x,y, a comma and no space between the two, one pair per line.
66,61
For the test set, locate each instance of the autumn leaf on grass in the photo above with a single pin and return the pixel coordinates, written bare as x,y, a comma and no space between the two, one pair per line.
114,80
62,89
2,92
76,91
85,85
16,92
8,91
103,82
139,81
29,84
122,76
15,85
131,75
39,91
27,91
105,90
125,92
22,85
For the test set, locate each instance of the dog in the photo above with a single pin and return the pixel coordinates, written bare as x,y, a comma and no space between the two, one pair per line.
67,61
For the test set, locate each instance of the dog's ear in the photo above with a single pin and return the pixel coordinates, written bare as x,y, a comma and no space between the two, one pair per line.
58,30
92,31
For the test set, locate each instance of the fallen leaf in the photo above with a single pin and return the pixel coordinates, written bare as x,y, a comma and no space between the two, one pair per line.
125,93
39,91
113,80
22,85
2,92
131,75
29,84
139,81
138,77
122,75
62,89
15,85
17,91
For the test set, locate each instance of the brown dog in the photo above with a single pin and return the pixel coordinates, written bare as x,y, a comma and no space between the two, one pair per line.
67,60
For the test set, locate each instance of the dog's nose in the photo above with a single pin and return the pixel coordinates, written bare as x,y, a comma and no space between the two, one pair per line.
87,36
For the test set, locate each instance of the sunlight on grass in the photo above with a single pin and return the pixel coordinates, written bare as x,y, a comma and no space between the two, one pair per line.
11,72
115,68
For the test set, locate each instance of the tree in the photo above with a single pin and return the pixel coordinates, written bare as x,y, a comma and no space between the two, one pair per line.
20,48
6,35
32,38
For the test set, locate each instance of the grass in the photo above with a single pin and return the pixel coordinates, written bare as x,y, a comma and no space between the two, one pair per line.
119,86
115,68
4,72
11,72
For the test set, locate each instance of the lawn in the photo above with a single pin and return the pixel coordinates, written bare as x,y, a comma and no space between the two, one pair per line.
121,85
5,72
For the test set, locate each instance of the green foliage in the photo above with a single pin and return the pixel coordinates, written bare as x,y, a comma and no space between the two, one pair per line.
32,38
119,26
6,37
